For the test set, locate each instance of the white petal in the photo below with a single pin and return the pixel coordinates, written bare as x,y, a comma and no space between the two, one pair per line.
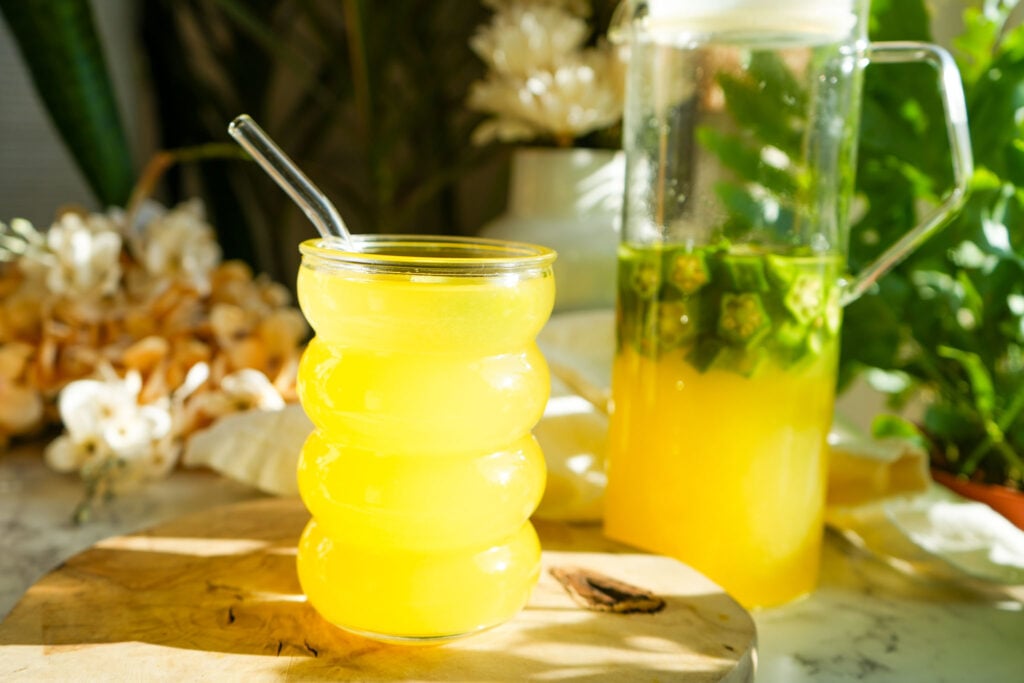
128,439
80,404
252,385
132,384
195,378
158,421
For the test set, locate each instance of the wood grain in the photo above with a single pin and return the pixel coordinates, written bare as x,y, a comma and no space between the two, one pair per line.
214,596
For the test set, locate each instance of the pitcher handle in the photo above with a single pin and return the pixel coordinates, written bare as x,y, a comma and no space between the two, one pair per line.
955,109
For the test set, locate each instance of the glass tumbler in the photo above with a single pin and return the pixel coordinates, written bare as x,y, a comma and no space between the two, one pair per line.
424,382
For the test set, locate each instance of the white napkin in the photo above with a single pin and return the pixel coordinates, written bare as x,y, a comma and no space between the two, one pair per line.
574,430
972,537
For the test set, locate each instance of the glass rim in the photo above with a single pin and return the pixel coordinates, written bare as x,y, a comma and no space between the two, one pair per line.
430,253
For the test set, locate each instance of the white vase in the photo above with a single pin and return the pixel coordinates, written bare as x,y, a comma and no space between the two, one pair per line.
569,200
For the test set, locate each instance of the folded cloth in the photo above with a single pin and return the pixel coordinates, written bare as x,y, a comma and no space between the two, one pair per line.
579,347
862,469
574,430
573,436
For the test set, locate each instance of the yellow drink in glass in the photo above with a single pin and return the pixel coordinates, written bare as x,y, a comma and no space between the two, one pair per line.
723,388
424,382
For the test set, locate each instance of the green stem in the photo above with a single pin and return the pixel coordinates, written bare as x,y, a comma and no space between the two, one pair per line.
1005,12
943,385
1011,413
969,465
995,438
1010,455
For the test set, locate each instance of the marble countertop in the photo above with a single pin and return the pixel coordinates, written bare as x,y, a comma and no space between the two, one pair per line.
866,622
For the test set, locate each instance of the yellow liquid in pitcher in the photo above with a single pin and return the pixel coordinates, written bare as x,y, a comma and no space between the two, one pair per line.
723,388
724,472
422,473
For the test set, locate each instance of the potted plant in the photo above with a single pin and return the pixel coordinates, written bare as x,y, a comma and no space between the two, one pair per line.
947,325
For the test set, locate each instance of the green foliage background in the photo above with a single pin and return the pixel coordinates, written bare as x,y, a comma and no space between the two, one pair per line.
950,319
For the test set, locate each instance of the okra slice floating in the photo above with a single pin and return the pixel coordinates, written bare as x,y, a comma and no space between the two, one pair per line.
743,319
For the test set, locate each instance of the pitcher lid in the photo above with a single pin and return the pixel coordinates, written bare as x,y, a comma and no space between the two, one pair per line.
658,19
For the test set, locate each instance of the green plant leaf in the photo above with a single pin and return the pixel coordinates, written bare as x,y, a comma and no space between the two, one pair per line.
60,46
982,387
957,328
949,424
747,161
893,426
874,328
762,115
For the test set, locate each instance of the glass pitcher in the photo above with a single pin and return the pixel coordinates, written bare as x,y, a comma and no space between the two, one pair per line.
740,135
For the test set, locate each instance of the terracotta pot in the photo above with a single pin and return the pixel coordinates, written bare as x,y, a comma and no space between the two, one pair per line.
1004,500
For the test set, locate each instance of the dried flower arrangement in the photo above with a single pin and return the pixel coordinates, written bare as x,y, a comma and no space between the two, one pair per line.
129,330
551,76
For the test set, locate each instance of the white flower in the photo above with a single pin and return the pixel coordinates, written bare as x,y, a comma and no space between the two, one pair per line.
20,240
523,39
105,422
580,96
251,389
81,258
181,244
542,82
242,390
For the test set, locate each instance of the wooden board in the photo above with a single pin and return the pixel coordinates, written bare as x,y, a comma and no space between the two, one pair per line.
214,596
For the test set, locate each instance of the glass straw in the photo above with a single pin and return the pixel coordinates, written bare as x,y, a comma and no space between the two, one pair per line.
292,180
